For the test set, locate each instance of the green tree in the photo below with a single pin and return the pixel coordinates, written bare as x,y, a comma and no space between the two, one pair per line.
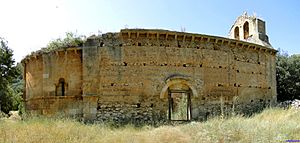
16,89
8,72
288,76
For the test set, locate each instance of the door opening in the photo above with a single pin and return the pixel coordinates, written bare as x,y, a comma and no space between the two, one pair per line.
179,105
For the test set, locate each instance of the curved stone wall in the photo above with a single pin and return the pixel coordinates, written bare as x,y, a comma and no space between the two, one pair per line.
145,75
42,74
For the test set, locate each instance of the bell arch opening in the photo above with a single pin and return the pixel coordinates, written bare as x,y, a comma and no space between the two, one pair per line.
236,33
246,30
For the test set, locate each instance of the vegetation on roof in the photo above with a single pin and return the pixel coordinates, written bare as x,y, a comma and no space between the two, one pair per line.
70,40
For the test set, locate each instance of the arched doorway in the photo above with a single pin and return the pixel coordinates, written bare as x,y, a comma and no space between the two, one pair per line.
179,93
179,105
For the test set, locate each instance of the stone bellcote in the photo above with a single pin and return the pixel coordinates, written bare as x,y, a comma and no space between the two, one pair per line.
250,29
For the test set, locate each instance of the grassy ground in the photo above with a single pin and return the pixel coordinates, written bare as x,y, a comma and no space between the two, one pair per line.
272,125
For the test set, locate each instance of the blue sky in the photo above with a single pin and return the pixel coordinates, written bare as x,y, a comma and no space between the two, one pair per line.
29,25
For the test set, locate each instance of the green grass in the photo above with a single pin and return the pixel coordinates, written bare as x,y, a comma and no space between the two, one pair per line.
272,125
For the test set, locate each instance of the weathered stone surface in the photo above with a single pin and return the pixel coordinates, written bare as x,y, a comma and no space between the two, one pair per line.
14,115
142,75
290,104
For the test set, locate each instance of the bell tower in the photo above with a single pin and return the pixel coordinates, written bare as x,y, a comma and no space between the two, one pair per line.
250,29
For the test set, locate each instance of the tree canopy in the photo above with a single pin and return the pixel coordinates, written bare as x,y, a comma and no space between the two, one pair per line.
288,77
10,79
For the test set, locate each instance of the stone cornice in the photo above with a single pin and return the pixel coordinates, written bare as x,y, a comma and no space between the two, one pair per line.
158,34
40,53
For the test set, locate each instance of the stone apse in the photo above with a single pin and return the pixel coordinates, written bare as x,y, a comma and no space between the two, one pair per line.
152,75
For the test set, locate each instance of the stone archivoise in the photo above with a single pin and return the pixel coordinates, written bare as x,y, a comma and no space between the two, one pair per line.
152,75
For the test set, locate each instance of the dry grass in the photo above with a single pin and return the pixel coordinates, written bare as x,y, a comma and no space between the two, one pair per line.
273,125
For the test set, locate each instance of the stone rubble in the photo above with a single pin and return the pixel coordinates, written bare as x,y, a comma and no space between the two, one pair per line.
290,104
